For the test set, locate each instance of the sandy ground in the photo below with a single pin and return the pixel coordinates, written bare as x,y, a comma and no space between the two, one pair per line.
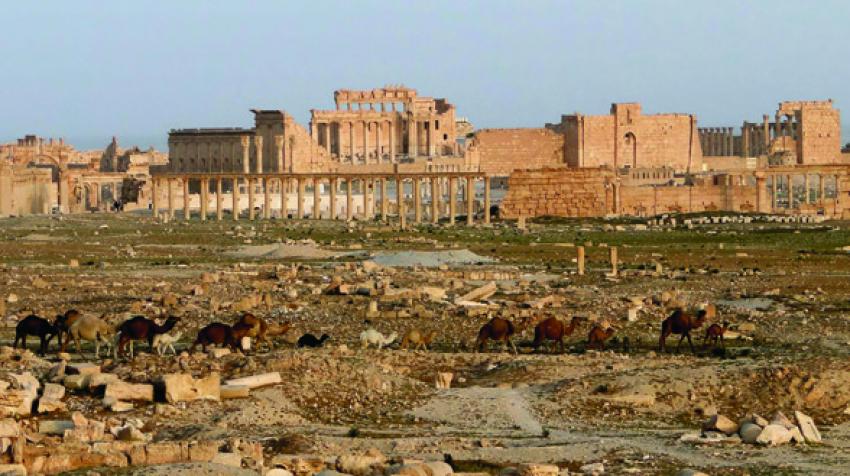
783,288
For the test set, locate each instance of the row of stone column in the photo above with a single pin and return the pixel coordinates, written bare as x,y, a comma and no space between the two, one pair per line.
373,130
717,141
369,185
788,179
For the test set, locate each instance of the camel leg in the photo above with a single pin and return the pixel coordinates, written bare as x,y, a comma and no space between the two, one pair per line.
690,344
680,343
662,340
514,346
722,343
561,341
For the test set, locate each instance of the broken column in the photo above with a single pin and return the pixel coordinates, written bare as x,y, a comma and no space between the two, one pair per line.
580,260
613,251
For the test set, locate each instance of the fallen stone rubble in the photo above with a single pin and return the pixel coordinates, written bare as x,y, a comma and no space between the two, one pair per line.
754,429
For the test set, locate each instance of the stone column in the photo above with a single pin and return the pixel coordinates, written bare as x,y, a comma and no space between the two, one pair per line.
392,142
730,137
246,155
470,199
402,213
429,130
384,199
267,198
299,207
65,195
251,213
378,126
790,191
186,212
283,192
235,198
317,198
435,200
487,200
774,199
333,186
278,148
219,199
452,200
368,198
349,200
412,141
580,259
417,200
808,184
761,194
328,136
170,199
154,197
258,150
366,141
205,198
351,140
613,254
765,131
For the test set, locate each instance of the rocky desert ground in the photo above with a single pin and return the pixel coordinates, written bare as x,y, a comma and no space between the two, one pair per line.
774,399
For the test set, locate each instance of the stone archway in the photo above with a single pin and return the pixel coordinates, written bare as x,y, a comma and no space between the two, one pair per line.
630,150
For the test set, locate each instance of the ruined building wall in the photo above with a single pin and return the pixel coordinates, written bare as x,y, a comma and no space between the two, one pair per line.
596,192
820,136
627,138
25,191
558,192
501,151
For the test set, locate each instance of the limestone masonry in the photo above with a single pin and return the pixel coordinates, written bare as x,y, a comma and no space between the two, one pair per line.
417,153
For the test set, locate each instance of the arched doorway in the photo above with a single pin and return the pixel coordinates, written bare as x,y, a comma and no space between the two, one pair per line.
630,150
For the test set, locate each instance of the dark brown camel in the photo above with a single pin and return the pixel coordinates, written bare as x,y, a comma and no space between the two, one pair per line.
714,333
680,323
497,329
260,329
141,328
597,337
221,334
554,330
64,322
33,325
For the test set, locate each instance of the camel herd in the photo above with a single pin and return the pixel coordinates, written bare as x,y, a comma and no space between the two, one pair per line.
76,326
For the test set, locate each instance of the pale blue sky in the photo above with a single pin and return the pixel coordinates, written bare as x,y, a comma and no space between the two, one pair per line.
87,70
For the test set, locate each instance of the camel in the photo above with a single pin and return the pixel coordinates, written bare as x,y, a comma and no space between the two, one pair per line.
33,325
64,322
221,334
714,333
497,329
141,328
372,337
93,329
681,323
163,342
309,340
554,330
262,330
419,340
597,337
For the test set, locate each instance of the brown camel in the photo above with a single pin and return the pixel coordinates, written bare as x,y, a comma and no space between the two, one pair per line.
554,330
496,329
680,323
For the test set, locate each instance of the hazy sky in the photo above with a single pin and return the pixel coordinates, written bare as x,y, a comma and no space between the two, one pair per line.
87,70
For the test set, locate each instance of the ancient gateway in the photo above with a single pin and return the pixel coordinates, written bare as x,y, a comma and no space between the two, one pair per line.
405,148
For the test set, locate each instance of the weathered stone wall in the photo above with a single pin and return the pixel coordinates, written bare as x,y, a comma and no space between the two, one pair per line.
559,192
701,197
586,192
501,151
820,135
25,191
626,138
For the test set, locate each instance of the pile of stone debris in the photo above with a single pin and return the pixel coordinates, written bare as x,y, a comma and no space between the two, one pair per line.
754,429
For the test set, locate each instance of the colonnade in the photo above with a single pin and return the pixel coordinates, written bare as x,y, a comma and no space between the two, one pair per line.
717,141
785,181
440,189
